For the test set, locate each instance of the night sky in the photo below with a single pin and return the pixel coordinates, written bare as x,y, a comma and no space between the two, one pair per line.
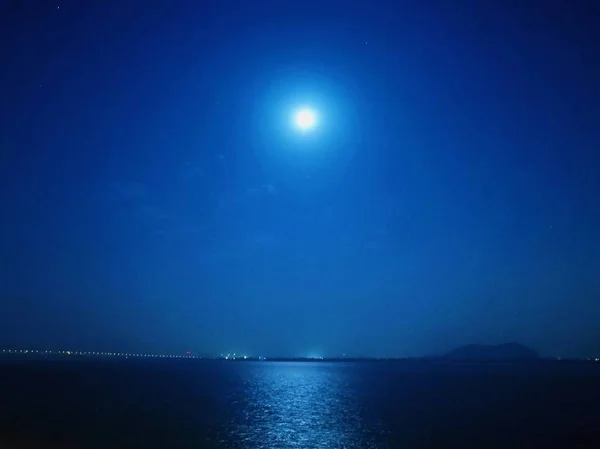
156,196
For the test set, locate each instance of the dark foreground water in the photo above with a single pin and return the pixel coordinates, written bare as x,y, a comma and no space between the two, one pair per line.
221,404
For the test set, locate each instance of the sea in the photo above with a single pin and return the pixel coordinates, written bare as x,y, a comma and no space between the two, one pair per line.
232,404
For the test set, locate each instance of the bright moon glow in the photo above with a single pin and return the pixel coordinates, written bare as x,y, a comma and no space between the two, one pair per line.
305,119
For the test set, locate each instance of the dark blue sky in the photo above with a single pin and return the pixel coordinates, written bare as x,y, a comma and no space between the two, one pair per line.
155,197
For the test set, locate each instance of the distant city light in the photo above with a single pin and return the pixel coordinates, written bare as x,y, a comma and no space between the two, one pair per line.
70,352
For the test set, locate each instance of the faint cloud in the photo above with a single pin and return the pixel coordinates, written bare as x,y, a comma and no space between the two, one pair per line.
127,191
189,229
264,189
264,239
382,231
136,204
372,245
192,172
181,229
152,212
134,199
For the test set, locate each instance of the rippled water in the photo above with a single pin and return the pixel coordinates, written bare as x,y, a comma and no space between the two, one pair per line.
303,405
298,405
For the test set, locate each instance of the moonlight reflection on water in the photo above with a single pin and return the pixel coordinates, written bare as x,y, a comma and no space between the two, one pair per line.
303,405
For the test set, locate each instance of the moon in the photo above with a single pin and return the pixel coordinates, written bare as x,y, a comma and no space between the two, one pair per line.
305,119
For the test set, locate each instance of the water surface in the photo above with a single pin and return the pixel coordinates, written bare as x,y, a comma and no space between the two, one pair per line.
366,405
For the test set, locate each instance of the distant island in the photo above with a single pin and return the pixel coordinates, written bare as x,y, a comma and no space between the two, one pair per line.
506,351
